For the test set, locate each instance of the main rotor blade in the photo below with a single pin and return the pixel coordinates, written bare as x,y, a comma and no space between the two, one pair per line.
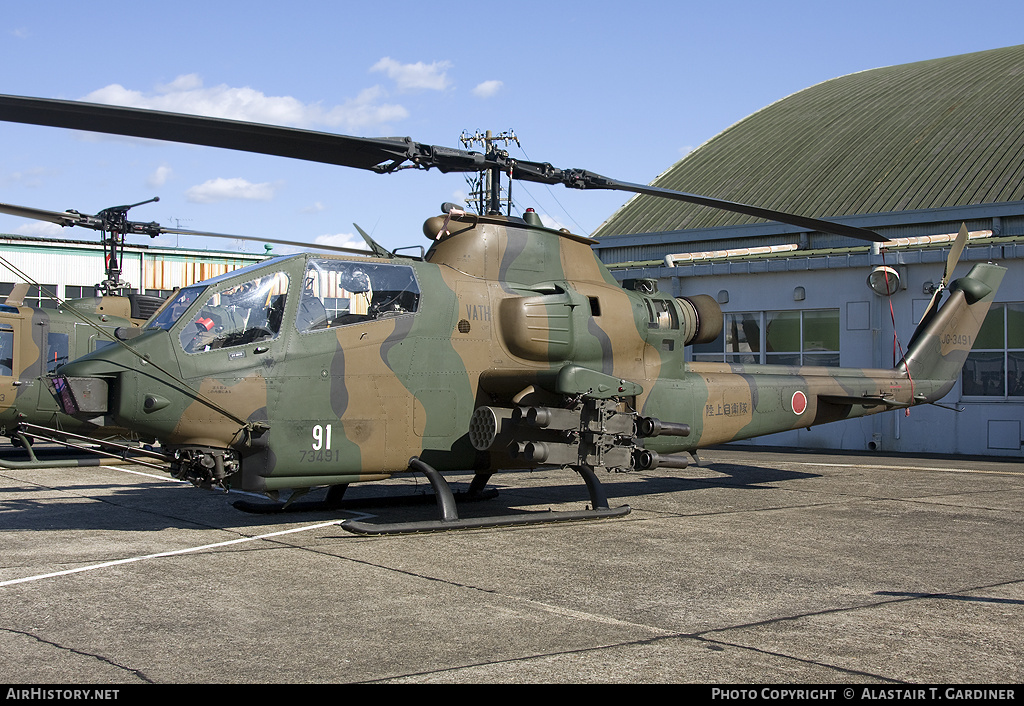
61,218
581,179
73,218
815,224
100,221
381,154
357,152
301,246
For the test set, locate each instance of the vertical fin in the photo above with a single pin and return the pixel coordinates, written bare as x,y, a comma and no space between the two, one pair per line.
17,295
942,342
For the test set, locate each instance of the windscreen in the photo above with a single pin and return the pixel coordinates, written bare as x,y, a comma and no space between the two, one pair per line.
170,314
244,313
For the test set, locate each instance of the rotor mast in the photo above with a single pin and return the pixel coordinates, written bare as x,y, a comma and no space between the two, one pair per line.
487,189
113,227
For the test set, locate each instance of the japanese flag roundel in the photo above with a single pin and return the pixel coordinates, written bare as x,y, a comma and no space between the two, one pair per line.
799,402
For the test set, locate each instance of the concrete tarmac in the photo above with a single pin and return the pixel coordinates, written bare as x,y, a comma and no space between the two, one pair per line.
759,566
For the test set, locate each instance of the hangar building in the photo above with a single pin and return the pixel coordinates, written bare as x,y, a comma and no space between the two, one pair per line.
910,151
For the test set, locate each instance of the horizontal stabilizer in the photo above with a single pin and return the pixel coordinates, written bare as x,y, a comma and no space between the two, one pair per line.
866,400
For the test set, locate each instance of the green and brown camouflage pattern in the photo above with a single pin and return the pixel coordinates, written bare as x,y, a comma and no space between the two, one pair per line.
522,350
34,342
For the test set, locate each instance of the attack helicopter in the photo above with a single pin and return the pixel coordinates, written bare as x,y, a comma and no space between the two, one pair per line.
34,341
505,345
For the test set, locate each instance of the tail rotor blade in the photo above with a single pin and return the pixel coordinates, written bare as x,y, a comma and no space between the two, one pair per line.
954,253
954,257
931,304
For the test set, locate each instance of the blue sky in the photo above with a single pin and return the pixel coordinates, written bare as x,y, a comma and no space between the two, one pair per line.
624,89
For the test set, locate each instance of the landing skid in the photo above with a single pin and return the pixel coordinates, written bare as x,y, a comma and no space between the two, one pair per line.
104,452
335,501
449,517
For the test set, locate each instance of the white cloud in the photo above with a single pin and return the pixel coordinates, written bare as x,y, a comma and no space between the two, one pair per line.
32,178
315,207
41,229
341,240
187,94
217,190
185,82
364,111
487,88
553,223
159,176
411,77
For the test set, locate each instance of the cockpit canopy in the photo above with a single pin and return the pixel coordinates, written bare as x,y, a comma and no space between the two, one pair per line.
232,310
342,292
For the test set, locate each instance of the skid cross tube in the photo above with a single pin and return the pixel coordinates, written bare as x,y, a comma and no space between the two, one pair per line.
449,516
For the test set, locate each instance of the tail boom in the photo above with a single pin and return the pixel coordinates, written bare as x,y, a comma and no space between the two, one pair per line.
725,402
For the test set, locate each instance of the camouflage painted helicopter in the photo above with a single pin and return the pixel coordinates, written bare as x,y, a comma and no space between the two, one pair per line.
34,341
505,345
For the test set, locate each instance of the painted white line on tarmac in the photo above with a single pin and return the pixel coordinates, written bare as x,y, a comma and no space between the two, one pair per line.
176,552
168,478
179,481
907,468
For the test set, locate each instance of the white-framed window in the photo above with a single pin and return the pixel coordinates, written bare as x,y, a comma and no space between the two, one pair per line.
72,291
36,297
775,337
995,365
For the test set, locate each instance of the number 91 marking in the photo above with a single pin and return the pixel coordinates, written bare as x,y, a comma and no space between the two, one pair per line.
321,437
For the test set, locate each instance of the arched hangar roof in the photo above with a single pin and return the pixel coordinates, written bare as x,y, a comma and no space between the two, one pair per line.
931,134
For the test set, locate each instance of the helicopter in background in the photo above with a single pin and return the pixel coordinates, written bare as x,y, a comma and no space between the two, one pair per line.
505,345
35,341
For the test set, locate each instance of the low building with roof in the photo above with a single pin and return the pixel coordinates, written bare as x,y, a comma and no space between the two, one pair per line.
71,269
909,151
